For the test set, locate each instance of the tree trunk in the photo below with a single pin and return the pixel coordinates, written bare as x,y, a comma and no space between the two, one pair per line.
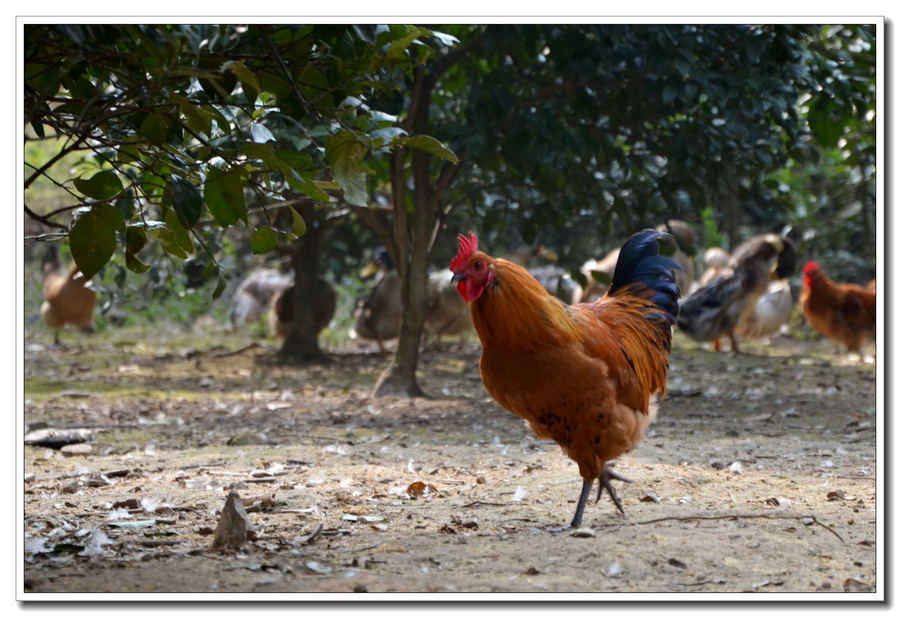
413,252
400,377
301,346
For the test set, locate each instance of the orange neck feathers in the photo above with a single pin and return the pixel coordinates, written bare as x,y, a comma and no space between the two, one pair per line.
516,313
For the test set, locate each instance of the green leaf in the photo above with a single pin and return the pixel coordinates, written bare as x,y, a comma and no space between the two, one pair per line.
263,240
243,73
102,185
260,133
186,199
307,187
428,144
135,239
217,86
670,91
366,32
298,160
221,284
299,223
388,134
601,277
380,116
821,122
217,202
396,52
154,129
93,238
38,128
343,153
129,153
134,264
579,277
168,241
181,236
274,161
447,39
233,190
196,120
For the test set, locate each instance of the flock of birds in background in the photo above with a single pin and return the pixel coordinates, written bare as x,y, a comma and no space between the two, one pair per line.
582,366
743,295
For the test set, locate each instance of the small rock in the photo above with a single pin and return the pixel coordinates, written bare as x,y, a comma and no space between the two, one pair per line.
470,524
532,571
234,524
855,585
480,480
360,589
71,488
650,497
583,532
246,439
718,465
77,449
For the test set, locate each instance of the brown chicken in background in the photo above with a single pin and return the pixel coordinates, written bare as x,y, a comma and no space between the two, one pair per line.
281,308
377,316
67,298
843,312
253,295
582,375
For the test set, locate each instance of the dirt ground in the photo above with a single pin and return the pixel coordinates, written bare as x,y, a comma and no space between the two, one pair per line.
758,476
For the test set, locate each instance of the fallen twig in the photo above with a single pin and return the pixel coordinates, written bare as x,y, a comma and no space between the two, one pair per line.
486,503
854,478
236,351
728,516
202,465
314,535
361,548
716,581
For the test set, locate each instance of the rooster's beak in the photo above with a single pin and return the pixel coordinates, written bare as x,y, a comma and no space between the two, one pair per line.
458,278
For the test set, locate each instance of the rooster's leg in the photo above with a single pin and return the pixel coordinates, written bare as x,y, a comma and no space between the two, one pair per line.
734,347
582,501
605,477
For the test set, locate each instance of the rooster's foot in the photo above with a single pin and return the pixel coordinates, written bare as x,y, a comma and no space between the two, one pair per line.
605,477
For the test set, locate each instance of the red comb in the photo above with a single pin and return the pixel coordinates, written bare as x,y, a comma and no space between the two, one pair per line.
811,266
467,248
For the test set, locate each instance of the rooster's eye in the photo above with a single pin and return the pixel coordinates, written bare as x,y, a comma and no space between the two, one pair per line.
478,265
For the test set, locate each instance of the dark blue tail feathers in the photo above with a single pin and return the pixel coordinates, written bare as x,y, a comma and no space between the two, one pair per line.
640,262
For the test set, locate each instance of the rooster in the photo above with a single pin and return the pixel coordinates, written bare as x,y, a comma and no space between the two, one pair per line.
842,312
581,375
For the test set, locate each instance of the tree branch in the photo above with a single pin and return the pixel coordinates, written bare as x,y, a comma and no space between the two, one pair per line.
368,217
43,219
